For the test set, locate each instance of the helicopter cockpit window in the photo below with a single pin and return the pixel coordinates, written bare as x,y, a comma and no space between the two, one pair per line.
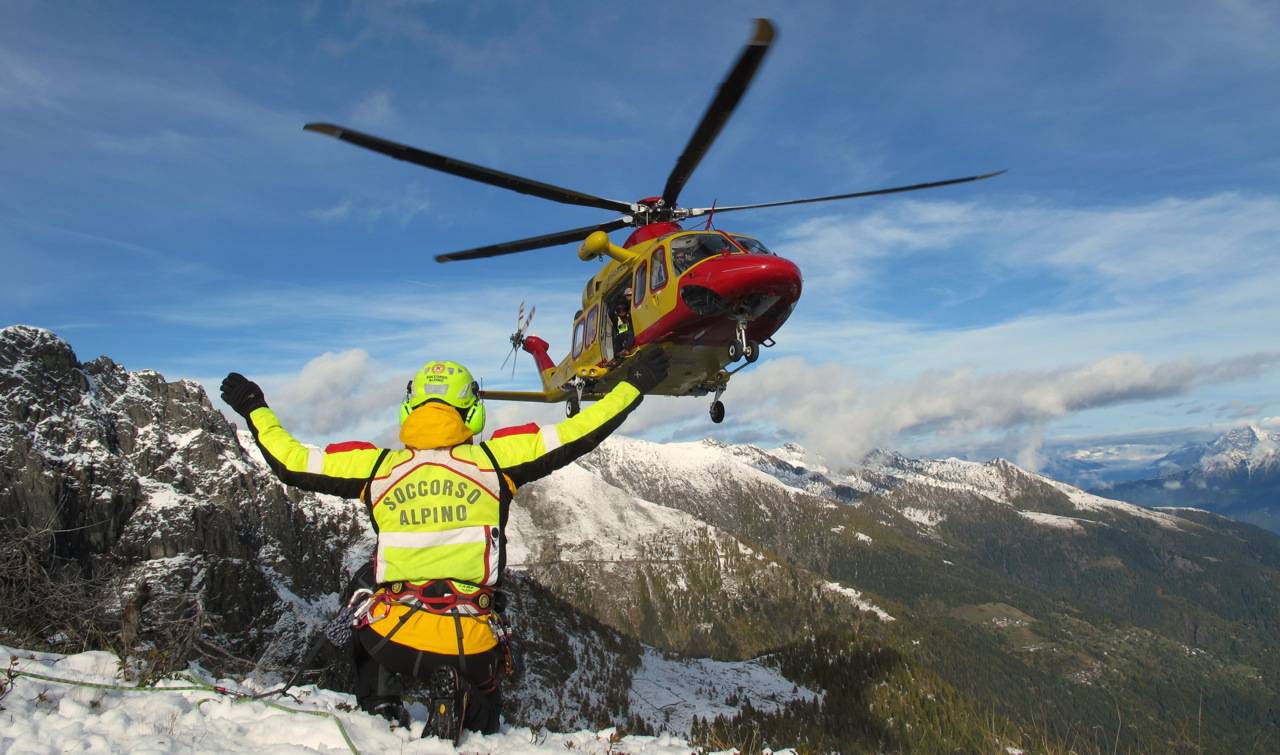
637,291
687,251
658,277
752,245
591,325
577,337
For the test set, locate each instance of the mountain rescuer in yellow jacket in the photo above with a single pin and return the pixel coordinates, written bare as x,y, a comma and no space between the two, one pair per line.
439,507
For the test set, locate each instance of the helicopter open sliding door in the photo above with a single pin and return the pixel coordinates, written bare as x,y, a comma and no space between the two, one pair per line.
617,334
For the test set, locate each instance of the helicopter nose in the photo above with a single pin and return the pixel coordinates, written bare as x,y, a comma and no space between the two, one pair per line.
735,277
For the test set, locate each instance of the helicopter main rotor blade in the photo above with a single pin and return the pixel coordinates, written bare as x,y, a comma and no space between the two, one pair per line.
462,169
895,190
534,242
718,112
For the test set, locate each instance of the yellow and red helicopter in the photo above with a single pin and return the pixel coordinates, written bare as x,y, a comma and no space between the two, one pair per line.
711,298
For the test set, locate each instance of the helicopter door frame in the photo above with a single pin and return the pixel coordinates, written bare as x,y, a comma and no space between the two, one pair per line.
638,286
606,332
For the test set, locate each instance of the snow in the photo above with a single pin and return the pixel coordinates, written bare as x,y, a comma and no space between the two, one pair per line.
988,480
595,520
1056,521
856,598
1250,447
1090,502
923,517
161,496
181,715
699,466
669,693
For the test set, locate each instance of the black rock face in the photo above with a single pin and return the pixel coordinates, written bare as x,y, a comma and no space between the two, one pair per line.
143,479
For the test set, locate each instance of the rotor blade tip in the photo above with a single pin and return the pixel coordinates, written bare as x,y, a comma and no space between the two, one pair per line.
327,129
763,33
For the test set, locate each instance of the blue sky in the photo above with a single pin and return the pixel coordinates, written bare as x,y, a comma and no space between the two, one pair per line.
160,203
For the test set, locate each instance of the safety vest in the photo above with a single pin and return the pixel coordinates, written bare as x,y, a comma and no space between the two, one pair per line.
437,517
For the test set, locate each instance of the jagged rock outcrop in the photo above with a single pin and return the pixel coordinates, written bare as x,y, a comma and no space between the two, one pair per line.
143,476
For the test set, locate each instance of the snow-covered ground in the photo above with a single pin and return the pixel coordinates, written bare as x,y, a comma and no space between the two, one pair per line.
671,692
180,716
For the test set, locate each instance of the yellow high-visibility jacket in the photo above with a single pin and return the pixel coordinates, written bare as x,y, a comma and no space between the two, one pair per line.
439,505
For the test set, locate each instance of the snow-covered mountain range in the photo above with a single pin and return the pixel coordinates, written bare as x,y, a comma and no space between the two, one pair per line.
634,567
1237,474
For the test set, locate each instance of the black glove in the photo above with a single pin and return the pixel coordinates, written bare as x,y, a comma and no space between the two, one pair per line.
242,394
649,368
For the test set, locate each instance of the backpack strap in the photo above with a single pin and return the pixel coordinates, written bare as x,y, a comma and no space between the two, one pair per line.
505,495
366,494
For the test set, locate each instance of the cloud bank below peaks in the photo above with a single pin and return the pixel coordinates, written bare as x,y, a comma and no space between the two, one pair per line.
835,411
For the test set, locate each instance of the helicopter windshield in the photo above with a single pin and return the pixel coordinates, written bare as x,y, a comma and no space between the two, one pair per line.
752,245
687,251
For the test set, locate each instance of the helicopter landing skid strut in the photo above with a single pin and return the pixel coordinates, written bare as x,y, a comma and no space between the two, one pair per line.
741,347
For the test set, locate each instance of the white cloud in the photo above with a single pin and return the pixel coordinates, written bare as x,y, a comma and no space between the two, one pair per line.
400,207
836,411
374,111
337,392
340,211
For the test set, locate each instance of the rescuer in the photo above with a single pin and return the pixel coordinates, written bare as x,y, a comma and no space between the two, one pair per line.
425,607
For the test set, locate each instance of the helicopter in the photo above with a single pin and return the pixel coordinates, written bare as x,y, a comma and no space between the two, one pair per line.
711,298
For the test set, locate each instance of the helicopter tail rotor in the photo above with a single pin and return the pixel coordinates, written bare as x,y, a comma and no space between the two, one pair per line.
518,337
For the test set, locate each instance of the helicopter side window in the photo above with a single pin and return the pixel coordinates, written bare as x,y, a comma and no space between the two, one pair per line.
752,245
687,251
658,277
637,291
592,316
578,333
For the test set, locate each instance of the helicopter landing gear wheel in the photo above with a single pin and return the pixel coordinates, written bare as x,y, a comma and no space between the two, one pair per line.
735,352
752,352
717,406
573,404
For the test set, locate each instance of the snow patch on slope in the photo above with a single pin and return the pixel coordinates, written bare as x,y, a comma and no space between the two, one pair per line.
669,693
1055,521
592,519
1090,502
856,598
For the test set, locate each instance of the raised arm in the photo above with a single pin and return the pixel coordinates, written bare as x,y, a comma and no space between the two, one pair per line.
340,470
529,456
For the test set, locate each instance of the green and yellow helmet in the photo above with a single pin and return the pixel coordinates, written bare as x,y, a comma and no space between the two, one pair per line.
449,383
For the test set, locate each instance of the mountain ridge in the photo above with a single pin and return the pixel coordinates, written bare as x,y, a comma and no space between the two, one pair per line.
898,593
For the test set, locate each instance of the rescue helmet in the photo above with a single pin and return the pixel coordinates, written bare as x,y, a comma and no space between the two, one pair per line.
449,383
